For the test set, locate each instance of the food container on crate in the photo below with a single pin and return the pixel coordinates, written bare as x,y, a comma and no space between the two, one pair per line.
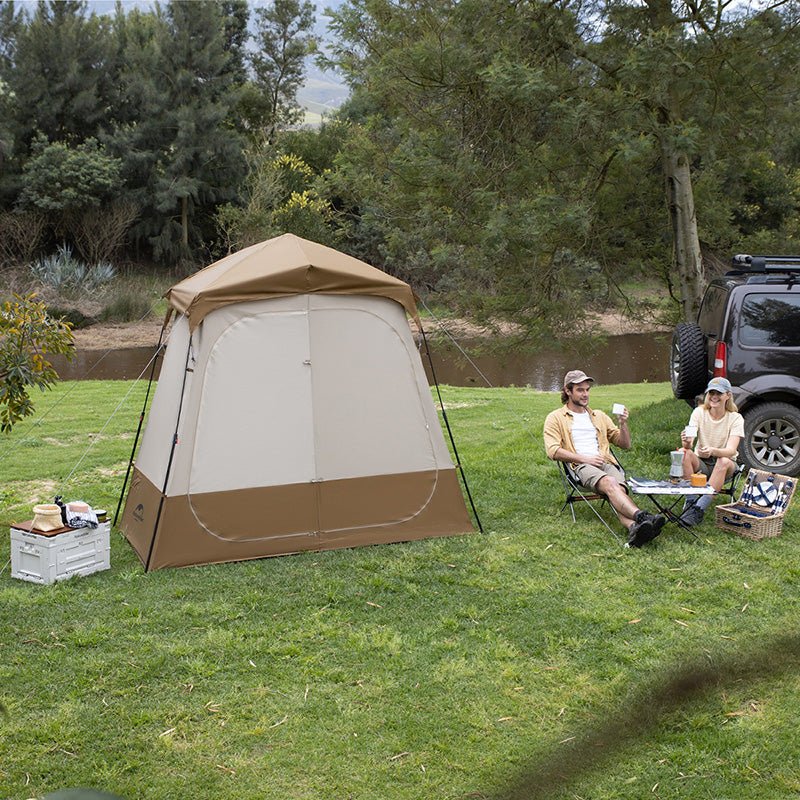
46,517
760,510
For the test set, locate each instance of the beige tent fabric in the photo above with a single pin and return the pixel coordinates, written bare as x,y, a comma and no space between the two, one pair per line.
285,265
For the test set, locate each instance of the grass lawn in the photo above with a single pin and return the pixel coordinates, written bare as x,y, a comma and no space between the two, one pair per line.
438,669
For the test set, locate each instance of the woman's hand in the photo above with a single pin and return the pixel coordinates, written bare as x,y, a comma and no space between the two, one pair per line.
704,452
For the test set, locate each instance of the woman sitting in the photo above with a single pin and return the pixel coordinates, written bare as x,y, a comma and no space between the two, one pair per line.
720,428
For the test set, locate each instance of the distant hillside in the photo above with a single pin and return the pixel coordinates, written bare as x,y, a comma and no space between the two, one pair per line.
321,93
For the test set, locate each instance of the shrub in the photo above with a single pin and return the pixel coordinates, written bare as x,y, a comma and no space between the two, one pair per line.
66,273
99,234
126,307
76,318
21,235
28,336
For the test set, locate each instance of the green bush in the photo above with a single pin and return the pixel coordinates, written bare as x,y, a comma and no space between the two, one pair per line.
126,307
76,318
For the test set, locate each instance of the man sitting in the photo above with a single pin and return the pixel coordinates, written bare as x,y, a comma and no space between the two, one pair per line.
580,436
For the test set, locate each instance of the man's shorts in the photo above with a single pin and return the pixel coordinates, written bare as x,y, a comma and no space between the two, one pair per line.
589,475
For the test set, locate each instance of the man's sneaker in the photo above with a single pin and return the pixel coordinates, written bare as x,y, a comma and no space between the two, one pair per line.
656,520
641,532
692,516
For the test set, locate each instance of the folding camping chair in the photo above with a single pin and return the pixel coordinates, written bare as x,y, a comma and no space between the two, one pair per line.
575,492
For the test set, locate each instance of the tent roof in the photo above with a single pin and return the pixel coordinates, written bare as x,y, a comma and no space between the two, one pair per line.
285,265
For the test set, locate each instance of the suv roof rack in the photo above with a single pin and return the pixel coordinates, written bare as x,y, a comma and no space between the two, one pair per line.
744,264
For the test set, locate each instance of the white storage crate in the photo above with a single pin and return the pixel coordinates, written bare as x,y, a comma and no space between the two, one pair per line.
46,559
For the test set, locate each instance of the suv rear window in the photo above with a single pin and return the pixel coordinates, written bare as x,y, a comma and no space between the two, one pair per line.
713,310
770,320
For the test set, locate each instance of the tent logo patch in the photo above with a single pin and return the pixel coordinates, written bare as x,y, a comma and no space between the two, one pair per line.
138,513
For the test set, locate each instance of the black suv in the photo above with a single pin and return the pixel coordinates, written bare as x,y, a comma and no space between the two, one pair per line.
748,331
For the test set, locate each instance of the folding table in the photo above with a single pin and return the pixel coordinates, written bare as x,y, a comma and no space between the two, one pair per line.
665,495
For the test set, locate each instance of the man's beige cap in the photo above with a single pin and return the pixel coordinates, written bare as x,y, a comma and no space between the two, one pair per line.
576,376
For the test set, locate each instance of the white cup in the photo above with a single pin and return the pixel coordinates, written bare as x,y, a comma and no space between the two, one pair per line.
618,409
690,431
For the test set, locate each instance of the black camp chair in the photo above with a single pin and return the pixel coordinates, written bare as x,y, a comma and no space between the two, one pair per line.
575,492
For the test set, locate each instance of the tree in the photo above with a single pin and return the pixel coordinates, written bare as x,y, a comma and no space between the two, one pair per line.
693,76
27,336
280,196
467,170
180,153
236,15
59,76
63,179
283,41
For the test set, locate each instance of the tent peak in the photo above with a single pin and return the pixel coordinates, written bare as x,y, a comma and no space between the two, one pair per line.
282,266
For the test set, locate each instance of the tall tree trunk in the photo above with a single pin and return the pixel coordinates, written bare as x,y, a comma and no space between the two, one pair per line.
686,243
185,222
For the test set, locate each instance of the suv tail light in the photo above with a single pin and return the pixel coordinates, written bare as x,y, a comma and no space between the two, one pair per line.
720,361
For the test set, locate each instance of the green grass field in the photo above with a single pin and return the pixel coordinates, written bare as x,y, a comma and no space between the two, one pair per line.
447,668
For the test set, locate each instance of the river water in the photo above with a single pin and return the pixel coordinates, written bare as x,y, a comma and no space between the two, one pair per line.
629,358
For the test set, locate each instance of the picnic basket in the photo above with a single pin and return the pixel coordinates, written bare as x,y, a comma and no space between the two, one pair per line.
759,511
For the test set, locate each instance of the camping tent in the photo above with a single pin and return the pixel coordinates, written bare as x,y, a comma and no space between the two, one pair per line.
292,413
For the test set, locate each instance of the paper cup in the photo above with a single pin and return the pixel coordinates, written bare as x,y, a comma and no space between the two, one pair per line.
618,409
690,431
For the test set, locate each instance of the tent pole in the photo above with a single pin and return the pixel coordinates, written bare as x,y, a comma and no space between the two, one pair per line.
141,422
171,456
449,431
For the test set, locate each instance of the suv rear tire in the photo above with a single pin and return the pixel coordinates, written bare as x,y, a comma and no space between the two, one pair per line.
772,438
687,361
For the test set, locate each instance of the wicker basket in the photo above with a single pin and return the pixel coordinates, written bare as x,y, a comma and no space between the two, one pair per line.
750,520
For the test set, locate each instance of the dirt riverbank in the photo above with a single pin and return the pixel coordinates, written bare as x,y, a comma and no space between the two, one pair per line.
145,334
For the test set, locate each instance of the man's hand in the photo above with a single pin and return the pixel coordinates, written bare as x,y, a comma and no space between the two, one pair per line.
623,417
595,461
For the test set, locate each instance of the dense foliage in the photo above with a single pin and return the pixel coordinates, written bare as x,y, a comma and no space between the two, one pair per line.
518,159
147,113
523,149
27,337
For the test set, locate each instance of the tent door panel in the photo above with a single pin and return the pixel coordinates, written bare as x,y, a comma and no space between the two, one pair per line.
368,409
254,423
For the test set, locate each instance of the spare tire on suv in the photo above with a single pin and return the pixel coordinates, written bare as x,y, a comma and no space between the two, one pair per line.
748,330
687,361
